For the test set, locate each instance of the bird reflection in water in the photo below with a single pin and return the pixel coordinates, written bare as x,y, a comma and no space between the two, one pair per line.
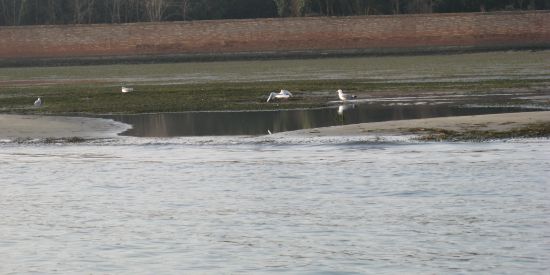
345,107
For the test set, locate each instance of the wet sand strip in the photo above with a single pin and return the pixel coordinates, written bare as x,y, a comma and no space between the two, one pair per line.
35,126
492,122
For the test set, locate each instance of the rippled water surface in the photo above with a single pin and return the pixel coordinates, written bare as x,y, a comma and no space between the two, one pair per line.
215,205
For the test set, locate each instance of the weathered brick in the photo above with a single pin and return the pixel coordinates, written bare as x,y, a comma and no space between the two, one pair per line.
278,35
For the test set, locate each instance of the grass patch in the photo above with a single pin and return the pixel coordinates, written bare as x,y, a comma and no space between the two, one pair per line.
529,131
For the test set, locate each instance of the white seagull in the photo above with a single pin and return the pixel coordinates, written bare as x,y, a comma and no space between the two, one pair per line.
127,90
345,97
283,94
38,103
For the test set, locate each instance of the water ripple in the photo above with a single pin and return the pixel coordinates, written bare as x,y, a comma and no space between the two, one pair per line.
181,206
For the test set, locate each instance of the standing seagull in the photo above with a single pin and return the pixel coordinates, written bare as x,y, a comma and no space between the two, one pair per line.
345,97
38,102
126,89
283,94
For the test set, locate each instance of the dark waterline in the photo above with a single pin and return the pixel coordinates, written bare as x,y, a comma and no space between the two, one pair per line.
263,122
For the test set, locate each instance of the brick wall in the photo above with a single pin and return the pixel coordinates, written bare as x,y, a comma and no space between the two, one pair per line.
313,34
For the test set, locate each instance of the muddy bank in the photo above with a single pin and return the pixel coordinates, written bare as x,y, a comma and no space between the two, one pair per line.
493,122
32,126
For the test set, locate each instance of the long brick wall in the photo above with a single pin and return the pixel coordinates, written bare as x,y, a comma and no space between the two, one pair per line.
278,36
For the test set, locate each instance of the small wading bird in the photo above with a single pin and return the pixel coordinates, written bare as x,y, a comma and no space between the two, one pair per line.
344,96
126,89
283,94
38,103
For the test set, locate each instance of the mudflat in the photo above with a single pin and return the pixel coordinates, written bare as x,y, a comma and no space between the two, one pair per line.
244,85
493,122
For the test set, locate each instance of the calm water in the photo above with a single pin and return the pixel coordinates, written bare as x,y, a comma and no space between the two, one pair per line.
255,205
363,110
263,122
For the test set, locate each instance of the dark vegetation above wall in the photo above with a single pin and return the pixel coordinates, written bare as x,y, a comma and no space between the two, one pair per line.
58,12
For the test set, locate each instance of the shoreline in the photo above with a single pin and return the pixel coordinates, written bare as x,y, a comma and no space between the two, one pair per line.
60,127
492,122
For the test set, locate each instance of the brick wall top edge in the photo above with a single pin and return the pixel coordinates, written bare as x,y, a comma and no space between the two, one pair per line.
313,18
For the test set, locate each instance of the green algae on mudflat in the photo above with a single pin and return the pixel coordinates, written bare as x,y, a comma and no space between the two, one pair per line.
534,130
218,96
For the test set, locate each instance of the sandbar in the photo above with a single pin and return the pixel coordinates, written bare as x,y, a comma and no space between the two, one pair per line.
492,122
40,126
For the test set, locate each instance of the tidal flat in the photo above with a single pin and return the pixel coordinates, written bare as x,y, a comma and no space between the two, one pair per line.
245,85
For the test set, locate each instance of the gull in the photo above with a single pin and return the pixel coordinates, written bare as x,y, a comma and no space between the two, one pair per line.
126,89
344,96
283,94
38,102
